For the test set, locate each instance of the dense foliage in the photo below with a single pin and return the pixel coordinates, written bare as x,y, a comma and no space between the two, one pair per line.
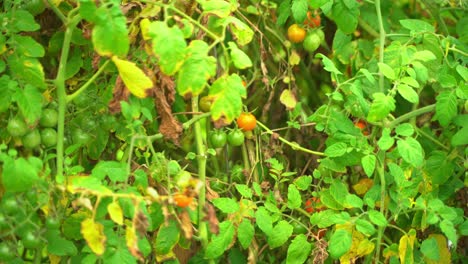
295,131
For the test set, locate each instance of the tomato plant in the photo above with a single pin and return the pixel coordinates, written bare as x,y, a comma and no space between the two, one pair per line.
296,33
235,138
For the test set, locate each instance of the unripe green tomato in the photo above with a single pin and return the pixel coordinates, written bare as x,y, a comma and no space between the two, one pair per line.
119,155
321,34
49,137
9,205
183,179
31,240
35,7
236,138
205,104
6,253
32,140
312,42
49,118
17,127
173,167
218,139
80,137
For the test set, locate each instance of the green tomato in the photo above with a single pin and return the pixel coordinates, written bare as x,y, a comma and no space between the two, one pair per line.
6,253
49,137
49,118
235,138
312,42
205,104
80,137
32,140
17,127
218,139
183,179
9,205
35,7
321,34
31,240
52,223
299,228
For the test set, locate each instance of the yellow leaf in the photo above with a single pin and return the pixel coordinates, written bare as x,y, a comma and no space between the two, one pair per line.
132,242
93,233
115,212
288,99
405,248
144,25
445,255
133,77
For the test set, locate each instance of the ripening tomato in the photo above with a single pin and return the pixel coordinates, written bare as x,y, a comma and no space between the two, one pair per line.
205,103
246,121
296,34
182,200
313,205
362,125
313,20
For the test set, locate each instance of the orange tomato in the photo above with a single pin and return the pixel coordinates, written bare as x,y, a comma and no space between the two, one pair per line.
313,20
182,200
247,121
313,205
296,34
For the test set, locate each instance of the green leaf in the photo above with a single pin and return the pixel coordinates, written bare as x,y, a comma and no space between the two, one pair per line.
134,78
410,81
303,182
298,250
226,205
294,197
7,92
218,8
221,242
449,231
280,234
264,220
340,243
59,246
458,139
22,20
317,3
239,58
377,218
27,46
368,164
405,129
338,191
167,237
387,71
463,71
346,13
283,11
365,227
381,106
353,201
424,55
446,107
385,141
110,34
408,93
19,175
116,171
336,150
299,10
417,26
430,249
168,45
196,70
227,93
245,233
29,101
329,201
329,65
28,70
74,64
244,190
439,167
411,151
397,173
242,32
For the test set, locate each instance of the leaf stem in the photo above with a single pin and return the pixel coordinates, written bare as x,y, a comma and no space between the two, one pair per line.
62,94
381,42
201,160
91,80
293,145
417,112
